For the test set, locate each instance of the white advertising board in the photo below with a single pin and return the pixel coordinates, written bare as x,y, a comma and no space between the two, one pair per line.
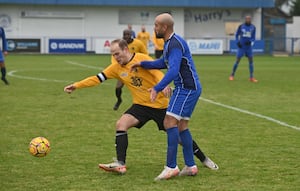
102,45
199,46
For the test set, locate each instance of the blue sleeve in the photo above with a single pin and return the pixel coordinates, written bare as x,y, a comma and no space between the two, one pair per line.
237,34
4,43
253,34
156,64
175,56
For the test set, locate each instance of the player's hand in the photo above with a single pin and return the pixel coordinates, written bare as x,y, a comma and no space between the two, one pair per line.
153,94
69,89
239,44
5,53
134,67
168,91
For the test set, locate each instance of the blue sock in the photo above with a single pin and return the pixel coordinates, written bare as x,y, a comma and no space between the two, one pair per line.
236,64
187,144
173,134
251,69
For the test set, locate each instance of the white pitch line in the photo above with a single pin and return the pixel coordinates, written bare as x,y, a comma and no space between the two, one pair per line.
12,74
82,65
251,113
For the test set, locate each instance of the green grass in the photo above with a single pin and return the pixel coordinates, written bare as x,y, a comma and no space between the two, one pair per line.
253,153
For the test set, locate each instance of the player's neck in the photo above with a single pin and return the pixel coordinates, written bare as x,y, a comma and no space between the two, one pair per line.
130,41
129,58
168,35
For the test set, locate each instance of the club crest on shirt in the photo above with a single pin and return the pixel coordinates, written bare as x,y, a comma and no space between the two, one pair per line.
124,74
137,81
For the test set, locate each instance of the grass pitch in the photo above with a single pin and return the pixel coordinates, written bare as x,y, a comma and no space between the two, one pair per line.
253,153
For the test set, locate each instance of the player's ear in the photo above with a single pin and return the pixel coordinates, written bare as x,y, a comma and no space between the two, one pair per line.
165,27
126,49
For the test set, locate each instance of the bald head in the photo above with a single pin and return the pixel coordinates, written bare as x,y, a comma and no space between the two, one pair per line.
164,24
248,19
166,19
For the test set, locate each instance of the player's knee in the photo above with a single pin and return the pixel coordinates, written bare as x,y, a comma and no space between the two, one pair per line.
119,84
183,125
170,122
120,126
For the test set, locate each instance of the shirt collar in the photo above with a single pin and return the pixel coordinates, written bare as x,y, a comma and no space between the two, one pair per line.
170,36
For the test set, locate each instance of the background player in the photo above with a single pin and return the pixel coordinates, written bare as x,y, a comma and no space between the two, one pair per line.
4,50
143,109
158,45
135,46
181,69
129,27
144,36
245,37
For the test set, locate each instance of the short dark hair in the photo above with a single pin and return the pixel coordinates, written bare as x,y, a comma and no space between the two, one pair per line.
121,42
127,31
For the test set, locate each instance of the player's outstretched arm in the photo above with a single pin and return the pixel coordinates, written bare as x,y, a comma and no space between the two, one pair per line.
70,88
156,64
88,82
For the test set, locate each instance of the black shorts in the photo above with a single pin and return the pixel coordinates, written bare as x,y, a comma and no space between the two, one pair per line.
145,114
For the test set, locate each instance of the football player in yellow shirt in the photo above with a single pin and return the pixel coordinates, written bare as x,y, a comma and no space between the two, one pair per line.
135,46
144,36
142,110
158,45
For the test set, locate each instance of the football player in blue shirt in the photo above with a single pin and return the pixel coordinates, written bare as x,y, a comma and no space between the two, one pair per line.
245,37
4,50
181,69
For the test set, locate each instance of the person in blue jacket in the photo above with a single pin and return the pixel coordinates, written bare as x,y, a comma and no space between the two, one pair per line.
245,38
4,50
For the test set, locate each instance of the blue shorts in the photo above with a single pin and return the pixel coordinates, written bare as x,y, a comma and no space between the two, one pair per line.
247,51
1,56
182,103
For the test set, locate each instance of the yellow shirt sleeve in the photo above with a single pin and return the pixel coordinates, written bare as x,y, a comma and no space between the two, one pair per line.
111,71
107,73
87,82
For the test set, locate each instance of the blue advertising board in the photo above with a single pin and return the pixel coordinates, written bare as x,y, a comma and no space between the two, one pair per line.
258,47
67,45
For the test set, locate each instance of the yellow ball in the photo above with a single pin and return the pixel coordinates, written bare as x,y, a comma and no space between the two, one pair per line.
39,147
